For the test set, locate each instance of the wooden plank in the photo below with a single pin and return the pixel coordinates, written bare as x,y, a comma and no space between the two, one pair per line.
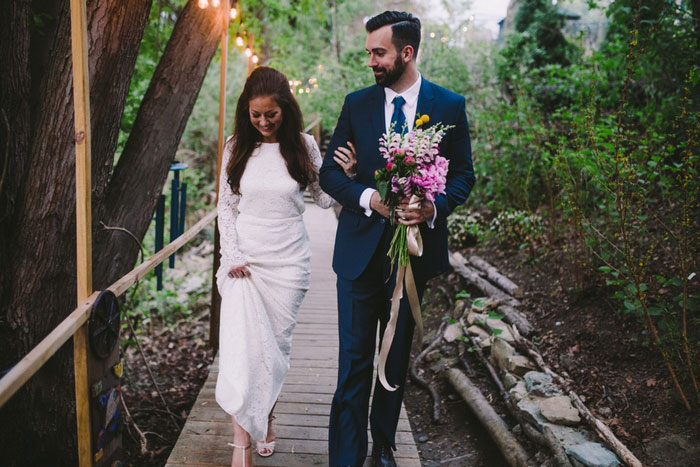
83,215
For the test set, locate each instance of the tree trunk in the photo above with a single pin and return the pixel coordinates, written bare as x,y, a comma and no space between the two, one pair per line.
37,188
143,167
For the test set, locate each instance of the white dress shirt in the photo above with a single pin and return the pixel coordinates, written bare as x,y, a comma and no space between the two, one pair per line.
409,110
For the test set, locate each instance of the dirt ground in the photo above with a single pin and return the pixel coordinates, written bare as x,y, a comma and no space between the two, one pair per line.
606,355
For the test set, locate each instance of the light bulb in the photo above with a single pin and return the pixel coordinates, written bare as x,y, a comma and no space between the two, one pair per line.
308,90
234,13
432,35
215,3
255,59
203,4
239,40
248,52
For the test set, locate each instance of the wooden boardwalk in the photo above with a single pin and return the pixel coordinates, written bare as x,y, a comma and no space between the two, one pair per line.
304,405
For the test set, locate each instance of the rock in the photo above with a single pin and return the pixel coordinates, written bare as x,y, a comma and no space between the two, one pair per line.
568,362
519,365
509,379
530,409
484,337
423,438
432,355
452,332
428,338
518,391
604,412
674,450
458,310
593,455
476,318
540,384
501,351
480,304
570,436
560,411
500,329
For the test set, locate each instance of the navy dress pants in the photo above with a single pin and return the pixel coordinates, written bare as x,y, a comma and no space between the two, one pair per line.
364,304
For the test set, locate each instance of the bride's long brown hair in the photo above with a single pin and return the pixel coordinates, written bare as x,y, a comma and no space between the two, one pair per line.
266,81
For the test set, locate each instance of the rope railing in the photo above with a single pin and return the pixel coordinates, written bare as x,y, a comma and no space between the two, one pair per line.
19,374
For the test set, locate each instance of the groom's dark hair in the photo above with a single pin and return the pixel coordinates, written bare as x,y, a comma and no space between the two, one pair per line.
405,28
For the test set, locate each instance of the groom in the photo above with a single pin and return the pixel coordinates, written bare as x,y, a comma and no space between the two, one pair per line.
364,231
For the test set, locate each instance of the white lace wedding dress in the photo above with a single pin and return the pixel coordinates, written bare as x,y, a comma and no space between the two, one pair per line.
264,228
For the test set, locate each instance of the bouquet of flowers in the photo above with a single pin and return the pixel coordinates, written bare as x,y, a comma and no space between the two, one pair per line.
414,171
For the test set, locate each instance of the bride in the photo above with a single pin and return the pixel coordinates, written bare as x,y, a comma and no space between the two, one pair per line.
265,254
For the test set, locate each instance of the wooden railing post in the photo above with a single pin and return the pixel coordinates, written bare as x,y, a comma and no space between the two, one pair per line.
83,185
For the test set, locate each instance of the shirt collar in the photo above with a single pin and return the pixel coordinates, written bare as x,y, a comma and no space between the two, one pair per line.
410,94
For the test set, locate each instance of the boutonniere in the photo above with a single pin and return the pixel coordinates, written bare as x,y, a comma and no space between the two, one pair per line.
422,120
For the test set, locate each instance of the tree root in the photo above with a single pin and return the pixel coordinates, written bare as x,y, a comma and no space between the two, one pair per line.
422,382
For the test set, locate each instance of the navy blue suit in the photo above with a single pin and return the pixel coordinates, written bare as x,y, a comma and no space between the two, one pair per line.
362,266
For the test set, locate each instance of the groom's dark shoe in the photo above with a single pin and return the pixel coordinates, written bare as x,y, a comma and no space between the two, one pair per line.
382,456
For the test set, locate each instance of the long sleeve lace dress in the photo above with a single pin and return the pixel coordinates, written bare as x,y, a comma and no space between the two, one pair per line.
263,227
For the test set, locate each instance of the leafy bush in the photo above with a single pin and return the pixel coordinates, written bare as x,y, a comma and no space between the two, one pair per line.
465,228
517,228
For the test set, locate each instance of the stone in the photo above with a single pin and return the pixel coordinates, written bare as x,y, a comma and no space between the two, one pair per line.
519,365
529,407
453,332
570,436
605,412
433,355
501,351
476,318
509,379
674,450
484,337
560,411
500,329
518,391
480,304
423,438
458,310
593,455
540,384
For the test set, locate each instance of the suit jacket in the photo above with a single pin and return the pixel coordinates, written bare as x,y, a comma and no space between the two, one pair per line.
362,122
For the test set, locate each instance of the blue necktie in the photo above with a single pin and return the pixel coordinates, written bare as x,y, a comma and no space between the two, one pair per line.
398,116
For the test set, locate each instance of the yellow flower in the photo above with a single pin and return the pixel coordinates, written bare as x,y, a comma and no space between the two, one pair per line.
425,118
419,122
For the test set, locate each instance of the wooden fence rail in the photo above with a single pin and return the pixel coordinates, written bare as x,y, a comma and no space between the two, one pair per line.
33,361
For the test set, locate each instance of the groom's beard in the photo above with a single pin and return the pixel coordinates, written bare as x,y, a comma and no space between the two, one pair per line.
391,75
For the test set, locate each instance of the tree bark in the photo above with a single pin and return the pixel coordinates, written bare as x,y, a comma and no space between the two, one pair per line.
143,167
37,193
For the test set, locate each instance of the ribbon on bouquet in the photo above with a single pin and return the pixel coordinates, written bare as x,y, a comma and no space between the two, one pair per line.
404,278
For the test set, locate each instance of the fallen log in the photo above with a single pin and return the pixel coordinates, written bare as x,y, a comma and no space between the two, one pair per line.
512,450
598,426
458,263
496,277
544,439
515,318
413,372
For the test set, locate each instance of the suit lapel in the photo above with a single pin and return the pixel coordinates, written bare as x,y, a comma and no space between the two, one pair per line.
426,99
377,112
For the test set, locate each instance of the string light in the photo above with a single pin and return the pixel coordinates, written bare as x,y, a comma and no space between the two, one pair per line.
432,35
234,12
255,59
464,29
215,3
203,4
239,40
443,39
248,52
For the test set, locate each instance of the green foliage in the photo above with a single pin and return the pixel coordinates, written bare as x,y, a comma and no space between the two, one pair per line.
516,228
464,228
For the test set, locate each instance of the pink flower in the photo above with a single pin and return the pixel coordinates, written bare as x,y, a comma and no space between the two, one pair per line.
390,165
410,160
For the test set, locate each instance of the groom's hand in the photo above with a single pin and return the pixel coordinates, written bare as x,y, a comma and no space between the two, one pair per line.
376,204
408,216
